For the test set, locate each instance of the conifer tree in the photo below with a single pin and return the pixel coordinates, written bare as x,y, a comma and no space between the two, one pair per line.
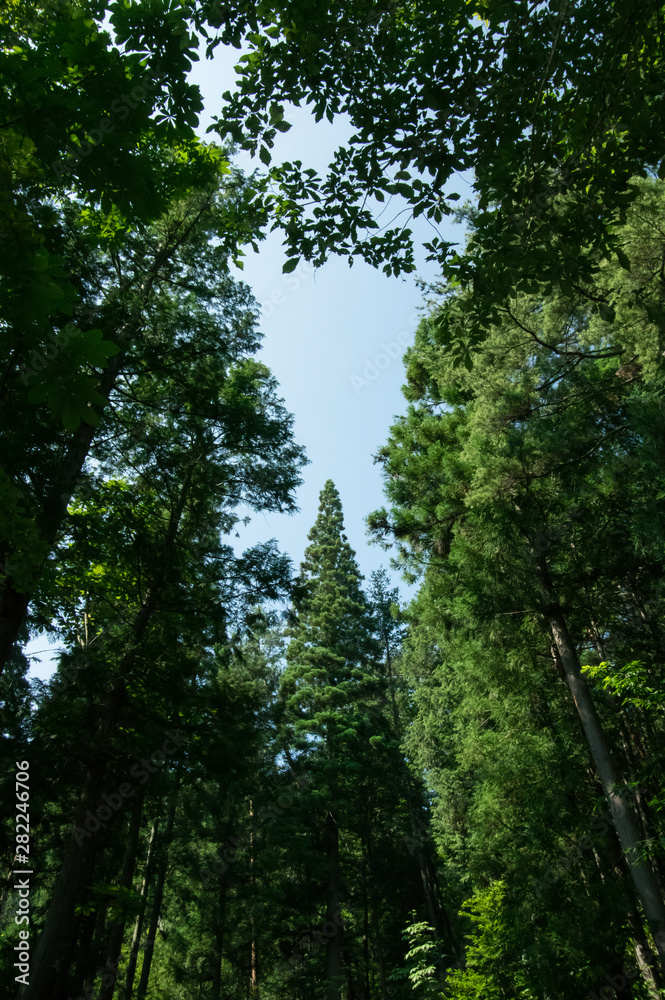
526,487
329,682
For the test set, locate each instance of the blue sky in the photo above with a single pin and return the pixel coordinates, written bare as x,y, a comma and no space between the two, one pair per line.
334,339
326,333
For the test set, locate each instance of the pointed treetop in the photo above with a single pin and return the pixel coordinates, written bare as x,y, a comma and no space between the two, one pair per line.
332,610
329,549
333,654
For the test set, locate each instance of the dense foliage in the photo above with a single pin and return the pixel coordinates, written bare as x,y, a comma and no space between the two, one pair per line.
249,783
527,492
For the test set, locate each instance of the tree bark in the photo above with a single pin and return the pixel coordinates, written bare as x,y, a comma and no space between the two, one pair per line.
218,953
156,905
366,976
334,942
138,924
376,929
644,958
117,928
378,939
88,935
254,964
53,953
642,874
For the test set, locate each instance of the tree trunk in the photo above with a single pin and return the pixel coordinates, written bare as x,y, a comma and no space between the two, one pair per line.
54,948
156,905
636,756
350,984
613,865
419,833
53,953
254,966
218,953
377,936
13,602
643,876
117,929
334,942
366,943
643,958
436,912
138,925
89,930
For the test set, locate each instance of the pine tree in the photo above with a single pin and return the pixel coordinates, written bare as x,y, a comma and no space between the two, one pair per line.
329,683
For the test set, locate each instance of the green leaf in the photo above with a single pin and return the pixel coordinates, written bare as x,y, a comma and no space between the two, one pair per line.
96,350
291,265
623,259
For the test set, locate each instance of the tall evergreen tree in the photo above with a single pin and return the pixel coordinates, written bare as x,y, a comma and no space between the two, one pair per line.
350,841
329,681
527,488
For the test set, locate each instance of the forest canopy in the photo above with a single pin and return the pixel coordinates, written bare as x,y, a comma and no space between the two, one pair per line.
247,781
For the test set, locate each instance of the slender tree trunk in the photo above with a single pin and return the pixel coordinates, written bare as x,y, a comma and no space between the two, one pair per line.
218,953
334,942
643,958
438,918
378,939
636,757
613,865
140,916
366,942
254,966
428,893
350,984
117,928
419,832
377,936
156,905
643,876
88,931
